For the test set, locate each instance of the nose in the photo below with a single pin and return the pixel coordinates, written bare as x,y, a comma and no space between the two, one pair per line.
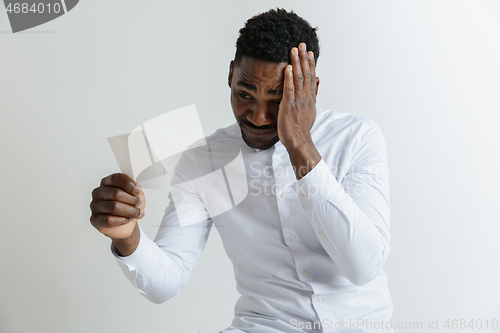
261,116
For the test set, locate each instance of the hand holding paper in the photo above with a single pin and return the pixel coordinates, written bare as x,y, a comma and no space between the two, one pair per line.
117,204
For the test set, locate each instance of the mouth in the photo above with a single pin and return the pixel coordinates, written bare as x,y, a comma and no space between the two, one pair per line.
258,134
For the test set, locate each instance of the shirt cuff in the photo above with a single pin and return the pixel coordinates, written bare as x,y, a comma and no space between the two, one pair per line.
315,187
141,258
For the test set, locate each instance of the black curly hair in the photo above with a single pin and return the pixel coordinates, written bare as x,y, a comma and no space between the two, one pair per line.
271,35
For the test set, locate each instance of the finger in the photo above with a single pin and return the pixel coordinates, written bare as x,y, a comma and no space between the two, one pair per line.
312,66
116,208
107,221
305,65
288,86
122,181
298,77
115,194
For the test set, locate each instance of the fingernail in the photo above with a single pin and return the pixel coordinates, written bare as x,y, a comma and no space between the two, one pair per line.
137,189
295,51
302,46
139,203
141,215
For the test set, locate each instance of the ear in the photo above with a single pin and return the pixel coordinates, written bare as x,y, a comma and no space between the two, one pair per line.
231,72
317,85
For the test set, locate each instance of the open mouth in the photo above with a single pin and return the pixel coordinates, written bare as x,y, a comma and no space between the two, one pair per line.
258,134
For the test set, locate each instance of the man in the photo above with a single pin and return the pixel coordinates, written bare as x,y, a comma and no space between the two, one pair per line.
309,240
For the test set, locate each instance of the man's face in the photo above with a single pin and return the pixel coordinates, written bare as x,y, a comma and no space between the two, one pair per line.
256,90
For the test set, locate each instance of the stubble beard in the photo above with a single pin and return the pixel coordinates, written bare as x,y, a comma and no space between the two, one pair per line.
264,147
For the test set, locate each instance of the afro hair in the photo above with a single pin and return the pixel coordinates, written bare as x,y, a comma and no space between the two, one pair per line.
271,35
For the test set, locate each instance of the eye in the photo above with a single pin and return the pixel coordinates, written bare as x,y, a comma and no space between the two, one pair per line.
277,102
244,96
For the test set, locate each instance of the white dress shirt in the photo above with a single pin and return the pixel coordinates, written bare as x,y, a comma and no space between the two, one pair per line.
307,254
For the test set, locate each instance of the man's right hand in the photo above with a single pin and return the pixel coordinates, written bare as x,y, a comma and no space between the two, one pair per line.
116,206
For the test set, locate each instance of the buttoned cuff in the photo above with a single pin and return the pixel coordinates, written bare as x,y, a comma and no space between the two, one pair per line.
315,187
140,259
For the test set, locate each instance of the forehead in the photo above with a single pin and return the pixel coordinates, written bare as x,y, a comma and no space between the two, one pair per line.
260,72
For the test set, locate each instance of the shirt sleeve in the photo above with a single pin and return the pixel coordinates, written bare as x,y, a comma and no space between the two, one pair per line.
351,218
160,268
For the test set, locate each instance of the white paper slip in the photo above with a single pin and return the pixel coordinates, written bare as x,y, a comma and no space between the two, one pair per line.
139,154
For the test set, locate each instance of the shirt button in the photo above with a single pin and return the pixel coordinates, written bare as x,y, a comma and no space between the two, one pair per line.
291,237
278,159
301,194
282,195
321,234
319,299
305,273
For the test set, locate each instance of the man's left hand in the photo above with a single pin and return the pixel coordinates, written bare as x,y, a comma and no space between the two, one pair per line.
297,111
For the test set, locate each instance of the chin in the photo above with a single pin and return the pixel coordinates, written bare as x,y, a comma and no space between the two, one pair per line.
257,144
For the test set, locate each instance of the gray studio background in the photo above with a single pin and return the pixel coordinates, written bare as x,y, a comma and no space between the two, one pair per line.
426,71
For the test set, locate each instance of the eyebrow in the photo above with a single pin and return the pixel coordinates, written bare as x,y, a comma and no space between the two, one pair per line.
252,87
